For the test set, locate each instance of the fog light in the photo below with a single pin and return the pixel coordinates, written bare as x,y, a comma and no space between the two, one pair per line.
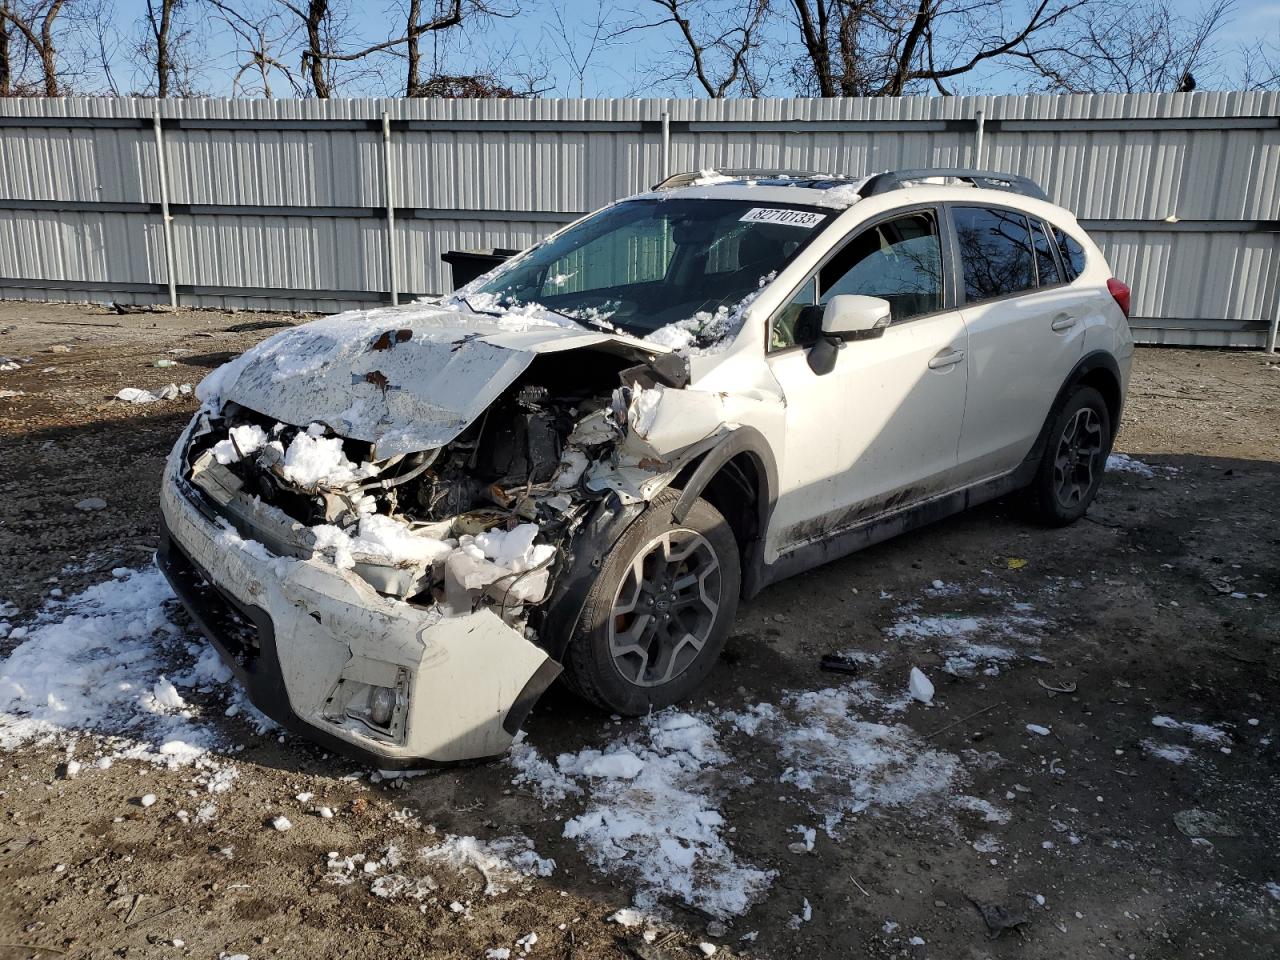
382,704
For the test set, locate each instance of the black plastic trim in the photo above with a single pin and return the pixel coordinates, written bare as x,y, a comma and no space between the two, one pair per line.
884,527
534,687
750,441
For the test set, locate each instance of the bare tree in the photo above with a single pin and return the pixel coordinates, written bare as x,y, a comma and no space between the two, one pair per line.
1143,47
34,24
845,48
6,54
720,46
317,21
579,47
160,16
415,28
1261,64
262,36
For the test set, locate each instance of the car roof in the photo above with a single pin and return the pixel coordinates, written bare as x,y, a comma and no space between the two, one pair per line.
835,190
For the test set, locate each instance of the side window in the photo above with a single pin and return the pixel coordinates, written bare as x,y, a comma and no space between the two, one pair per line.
899,260
638,253
1046,263
1072,254
799,321
995,249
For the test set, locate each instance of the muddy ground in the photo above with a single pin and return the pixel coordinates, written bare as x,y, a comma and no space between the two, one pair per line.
1163,603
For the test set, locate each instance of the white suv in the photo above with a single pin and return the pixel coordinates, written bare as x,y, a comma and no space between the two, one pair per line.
399,525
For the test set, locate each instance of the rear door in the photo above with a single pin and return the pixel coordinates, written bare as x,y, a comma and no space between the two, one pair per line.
1025,334
880,430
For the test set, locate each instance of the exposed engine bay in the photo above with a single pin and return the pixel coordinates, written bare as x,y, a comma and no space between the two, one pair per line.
480,522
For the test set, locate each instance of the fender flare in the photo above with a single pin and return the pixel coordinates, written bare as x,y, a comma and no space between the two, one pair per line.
1096,360
738,441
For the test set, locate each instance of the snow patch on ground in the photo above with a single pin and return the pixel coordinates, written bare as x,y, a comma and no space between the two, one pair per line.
1174,753
1203,732
500,864
103,662
843,764
1123,463
661,825
503,863
970,643
651,813
647,806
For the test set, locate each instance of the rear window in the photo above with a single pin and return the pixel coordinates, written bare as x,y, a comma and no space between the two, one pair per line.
1072,253
995,251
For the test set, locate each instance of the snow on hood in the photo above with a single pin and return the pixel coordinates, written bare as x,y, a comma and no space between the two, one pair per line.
402,378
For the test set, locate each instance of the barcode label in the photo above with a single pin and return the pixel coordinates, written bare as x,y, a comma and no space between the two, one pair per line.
791,218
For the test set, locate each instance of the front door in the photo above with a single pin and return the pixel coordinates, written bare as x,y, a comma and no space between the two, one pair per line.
880,430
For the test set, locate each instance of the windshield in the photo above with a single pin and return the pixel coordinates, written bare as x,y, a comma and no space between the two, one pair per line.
643,264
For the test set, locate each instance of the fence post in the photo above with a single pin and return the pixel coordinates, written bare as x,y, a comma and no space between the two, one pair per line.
166,220
666,145
977,142
391,211
1275,326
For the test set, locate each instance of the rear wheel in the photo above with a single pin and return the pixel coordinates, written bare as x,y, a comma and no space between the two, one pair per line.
657,616
1074,459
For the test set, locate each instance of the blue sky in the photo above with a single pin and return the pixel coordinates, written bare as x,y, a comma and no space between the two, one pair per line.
533,43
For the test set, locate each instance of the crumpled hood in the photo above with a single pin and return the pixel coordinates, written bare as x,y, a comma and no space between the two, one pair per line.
402,378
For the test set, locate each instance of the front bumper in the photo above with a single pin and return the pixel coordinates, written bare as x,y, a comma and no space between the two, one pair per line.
309,641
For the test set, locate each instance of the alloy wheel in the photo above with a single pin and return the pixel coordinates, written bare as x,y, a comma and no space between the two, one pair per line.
1077,462
665,608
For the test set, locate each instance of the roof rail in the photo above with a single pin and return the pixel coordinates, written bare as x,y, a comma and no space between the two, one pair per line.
987,179
737,173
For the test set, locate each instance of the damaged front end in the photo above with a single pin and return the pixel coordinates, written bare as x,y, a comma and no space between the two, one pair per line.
411,607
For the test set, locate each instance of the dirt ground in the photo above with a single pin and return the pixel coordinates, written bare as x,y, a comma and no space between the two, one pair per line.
1162,604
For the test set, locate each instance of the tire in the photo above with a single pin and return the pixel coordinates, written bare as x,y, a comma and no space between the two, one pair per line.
630,661
1073,461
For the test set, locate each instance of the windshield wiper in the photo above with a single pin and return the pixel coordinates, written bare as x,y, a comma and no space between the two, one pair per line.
489,313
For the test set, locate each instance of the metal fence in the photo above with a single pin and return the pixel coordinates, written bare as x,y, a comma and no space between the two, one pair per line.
325,205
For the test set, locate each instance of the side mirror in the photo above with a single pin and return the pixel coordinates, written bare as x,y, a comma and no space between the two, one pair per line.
855,317
847,317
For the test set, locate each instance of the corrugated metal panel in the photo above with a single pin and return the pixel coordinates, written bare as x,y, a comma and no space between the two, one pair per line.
505,173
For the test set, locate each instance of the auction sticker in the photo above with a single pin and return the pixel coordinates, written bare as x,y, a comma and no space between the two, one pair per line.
791,218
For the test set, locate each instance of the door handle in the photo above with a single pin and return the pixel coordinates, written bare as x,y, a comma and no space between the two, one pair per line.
1063,321
944,360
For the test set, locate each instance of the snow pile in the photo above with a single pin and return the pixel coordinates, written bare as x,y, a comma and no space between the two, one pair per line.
508,557
1123,463
510,316
642,411
706,331
537,774
109,661
379,537
241,441
313,460
651,816
709,178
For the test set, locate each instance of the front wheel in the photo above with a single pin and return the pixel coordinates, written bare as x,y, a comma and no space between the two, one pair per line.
1074,459
657,616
